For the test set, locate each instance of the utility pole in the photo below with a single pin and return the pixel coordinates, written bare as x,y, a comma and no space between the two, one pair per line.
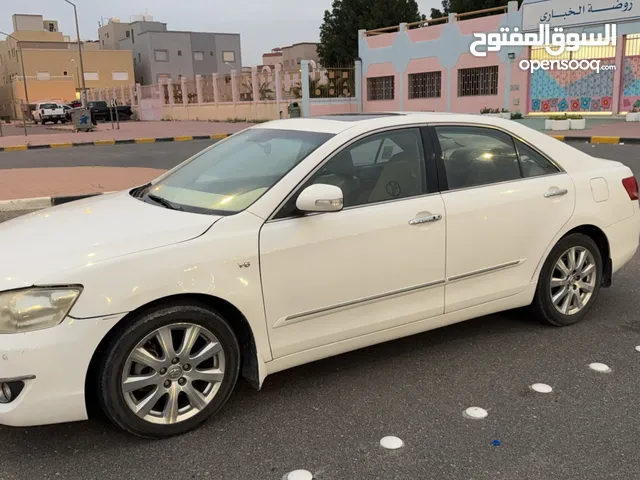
83,94
24,81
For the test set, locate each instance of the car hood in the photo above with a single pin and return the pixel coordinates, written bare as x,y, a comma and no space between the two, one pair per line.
86,232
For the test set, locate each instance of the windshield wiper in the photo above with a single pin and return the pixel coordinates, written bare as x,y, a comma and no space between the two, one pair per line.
164,202
139,191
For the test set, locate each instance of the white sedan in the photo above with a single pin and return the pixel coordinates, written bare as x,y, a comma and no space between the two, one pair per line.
293,241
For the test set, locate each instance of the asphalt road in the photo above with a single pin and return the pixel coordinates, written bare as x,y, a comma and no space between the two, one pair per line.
155,155
329,416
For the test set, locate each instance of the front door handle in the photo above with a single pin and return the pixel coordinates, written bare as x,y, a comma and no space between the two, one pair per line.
555,192
425,219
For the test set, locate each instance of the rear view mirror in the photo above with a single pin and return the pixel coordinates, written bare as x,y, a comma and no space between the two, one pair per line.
320,198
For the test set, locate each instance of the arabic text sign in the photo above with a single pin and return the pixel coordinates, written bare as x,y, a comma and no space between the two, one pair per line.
555,41
577,12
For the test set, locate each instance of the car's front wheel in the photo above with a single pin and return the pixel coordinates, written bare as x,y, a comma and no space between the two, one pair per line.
569,281
169,371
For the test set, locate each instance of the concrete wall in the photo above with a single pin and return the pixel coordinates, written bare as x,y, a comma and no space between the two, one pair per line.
27,22
227,42
110,35
205,43
444,48
332,106
226,111
173,43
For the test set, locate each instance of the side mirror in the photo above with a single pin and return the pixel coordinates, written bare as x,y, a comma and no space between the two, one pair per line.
320,198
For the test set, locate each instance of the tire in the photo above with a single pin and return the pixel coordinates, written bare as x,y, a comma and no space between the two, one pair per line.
55,121
543,306
159,421
63,121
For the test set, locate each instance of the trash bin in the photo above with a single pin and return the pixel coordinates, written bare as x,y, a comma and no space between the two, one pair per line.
294,110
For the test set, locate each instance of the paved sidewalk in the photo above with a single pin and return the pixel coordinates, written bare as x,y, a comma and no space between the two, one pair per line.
623,130
23,183
128,131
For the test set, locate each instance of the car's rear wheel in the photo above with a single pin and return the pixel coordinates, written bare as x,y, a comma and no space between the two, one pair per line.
169,371
569,281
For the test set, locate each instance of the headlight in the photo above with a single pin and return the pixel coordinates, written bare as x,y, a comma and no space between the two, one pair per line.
35,308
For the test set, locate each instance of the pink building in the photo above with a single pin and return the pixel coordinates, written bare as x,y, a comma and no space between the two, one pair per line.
428,66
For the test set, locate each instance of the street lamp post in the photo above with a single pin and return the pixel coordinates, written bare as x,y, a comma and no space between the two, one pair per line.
84,87
24,81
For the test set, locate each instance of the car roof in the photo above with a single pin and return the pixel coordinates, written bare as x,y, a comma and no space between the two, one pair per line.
341,122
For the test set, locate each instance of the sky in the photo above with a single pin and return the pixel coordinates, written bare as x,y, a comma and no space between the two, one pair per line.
263,24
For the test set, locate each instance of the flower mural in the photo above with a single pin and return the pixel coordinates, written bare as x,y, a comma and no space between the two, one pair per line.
545,106
563,105
577,91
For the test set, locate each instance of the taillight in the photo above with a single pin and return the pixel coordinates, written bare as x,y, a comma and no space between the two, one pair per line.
630,184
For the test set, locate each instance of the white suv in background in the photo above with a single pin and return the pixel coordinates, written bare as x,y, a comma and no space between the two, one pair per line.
49,112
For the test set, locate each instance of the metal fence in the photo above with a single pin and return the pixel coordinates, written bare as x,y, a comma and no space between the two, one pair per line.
332,82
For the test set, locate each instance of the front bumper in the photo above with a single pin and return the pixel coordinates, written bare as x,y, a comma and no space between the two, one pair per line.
53,365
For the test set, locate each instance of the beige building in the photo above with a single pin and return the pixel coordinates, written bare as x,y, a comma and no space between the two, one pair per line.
291,56
52,65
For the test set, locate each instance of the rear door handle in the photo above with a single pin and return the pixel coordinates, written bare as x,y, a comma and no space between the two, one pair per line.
425,219
556,192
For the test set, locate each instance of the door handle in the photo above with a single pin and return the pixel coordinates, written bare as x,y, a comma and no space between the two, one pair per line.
556,192
426,219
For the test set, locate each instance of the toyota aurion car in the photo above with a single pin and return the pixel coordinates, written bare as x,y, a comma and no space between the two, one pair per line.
293,241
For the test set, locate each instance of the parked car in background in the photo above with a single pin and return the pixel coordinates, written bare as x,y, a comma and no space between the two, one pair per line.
49,112
100,111
67,112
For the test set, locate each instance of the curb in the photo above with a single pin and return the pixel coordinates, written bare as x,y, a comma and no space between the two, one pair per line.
17,148
597,139
39,203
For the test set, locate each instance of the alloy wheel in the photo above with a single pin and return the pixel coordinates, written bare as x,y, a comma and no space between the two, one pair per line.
173,373
573,280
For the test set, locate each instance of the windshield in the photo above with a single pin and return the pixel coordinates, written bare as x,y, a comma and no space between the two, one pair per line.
229,176
49,105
